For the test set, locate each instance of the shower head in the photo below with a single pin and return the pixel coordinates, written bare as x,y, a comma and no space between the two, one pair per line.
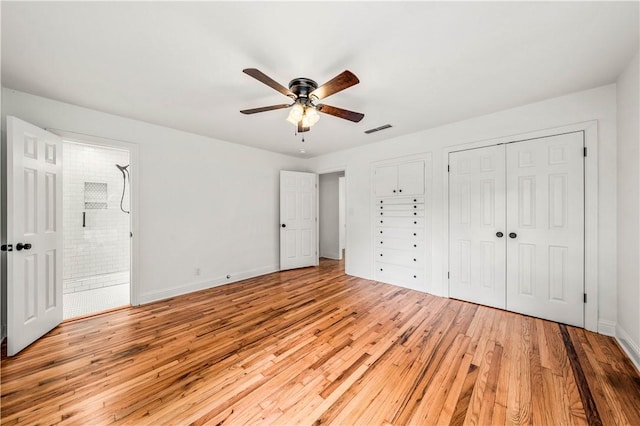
122,168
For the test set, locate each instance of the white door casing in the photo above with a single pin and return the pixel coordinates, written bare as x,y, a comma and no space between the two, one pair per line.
298,220
477,217
545,199
342,217
34,216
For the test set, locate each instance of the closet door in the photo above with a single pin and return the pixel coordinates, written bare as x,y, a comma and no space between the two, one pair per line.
476,226
411,178
385,181
545,228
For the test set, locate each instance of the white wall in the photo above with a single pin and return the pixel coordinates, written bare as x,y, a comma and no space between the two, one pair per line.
628,116
596,104
329,215
203,203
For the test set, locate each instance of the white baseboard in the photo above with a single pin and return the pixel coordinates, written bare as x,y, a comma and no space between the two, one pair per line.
202,285
334,256
629,346
606,327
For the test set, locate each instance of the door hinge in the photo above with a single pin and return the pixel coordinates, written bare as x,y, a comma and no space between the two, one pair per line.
7,247
448,275
584,152
585,297
448,168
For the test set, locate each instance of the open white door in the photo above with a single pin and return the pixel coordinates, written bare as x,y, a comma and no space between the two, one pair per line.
34,233
298,220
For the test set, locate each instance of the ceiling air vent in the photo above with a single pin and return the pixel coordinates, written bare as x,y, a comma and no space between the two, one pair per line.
377,129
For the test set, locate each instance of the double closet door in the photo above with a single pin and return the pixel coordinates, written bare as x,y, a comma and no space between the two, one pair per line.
516,227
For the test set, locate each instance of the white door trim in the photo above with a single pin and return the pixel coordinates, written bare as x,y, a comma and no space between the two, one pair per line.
590,129
134,171
336,169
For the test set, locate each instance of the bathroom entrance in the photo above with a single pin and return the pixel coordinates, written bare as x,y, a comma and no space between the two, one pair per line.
96,229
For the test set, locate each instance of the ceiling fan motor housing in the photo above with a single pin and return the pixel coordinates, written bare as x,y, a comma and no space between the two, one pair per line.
302,87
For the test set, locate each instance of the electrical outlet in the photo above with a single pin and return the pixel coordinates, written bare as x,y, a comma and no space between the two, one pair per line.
197,272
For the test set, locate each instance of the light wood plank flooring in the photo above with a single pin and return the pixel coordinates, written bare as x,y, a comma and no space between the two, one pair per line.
315,346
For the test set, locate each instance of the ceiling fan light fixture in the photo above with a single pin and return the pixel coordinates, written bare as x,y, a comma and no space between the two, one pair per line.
312,116
296,114
305,121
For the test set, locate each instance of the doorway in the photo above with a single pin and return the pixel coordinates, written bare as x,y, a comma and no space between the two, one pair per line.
332,217
96,229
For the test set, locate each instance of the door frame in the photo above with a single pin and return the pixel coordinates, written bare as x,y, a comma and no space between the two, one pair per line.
590,131
339,202
336,169
134,171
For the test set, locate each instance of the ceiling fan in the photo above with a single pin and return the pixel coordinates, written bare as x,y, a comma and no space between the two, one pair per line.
305,94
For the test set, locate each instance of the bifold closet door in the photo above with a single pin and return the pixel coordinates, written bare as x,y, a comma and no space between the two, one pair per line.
545,228
477,236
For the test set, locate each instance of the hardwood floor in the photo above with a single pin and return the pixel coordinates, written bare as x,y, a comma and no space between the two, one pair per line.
315,346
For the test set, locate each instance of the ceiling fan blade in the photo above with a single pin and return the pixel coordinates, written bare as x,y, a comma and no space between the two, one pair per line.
340,113
263,109
336,84
301,128
262,77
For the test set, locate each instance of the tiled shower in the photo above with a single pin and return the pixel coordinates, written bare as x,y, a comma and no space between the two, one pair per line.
96,235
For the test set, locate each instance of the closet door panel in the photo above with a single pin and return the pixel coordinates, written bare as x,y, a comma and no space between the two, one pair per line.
545,214
385,181
411,178
476,216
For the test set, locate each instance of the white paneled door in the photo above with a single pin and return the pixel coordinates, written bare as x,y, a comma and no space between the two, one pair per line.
545,219
477,226
34,233
516,227
298,220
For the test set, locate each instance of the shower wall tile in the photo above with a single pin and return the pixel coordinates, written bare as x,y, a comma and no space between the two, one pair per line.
102,246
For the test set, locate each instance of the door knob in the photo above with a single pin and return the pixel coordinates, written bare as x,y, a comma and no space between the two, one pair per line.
499,234
21,246
284,225
512,235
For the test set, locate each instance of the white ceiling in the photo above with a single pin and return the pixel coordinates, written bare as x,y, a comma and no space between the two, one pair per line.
420,64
